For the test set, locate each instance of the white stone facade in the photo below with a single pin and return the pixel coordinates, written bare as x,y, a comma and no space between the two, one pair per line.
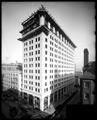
48,66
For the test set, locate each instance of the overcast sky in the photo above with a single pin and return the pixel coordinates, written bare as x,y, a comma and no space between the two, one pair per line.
77,19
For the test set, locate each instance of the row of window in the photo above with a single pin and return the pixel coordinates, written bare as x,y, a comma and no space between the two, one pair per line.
56,85
10,68
59,84
66,64
10,78
60,50
68,61
65,54
66,79
51,70
31,88
31,77
31,41
61,42
36,65
38,45
46,89
10,74
31,82
31,59
60,46
6,86
51,60
31,53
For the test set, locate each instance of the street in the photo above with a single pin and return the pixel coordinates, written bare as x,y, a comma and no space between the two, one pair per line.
60,113
75,99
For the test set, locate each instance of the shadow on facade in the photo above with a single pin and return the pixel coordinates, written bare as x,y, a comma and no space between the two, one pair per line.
63,87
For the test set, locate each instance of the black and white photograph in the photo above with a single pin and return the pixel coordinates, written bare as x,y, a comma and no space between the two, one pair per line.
48,60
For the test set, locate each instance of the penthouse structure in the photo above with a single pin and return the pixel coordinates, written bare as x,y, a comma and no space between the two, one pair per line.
11,76
48,60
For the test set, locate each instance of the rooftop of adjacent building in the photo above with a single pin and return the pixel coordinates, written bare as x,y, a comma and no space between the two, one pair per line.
89,71
17,65
88,76
90,67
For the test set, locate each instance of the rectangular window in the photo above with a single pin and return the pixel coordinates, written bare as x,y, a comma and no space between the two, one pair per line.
45,39
45,58
36,77
36,52
45,71
38,38
45,83
36,58
36,65
46,52
45,46
29,42
86,84
26,43
45,65
45,77
36,83
36,46
35,89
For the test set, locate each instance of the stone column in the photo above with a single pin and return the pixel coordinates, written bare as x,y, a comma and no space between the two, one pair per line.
22,95
53,97
42,104
48,100
54,29
42,20
57,33
66,41
61,36
28,98
49,25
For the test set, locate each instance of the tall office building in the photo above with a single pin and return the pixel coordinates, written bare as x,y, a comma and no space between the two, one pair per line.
11,76
48,60
86,56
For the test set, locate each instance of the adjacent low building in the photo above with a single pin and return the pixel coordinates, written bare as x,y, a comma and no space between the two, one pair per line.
11,76
87,91
87,81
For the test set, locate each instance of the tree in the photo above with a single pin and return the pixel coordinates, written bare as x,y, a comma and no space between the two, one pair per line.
10,94
13,112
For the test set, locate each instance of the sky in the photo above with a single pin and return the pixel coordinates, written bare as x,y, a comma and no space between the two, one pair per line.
77,20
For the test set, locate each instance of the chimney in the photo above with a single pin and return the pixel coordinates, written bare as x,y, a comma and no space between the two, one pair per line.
86,56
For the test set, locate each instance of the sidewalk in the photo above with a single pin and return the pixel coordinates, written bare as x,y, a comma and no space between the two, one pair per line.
52,107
